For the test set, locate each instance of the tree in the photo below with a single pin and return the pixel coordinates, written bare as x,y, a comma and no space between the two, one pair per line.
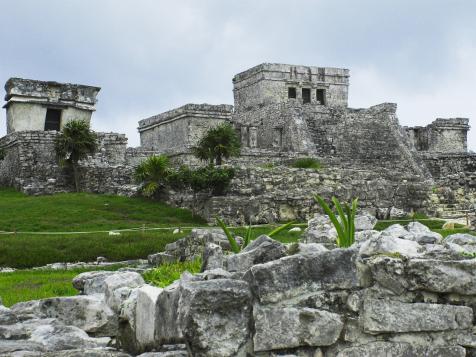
152,173
218,143
74,143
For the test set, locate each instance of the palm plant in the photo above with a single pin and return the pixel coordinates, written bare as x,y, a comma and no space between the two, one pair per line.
218,143
152,174
343,221
235,247
74,143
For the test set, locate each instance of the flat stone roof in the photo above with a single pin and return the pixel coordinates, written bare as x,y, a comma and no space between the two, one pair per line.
35,91
221,111
287,68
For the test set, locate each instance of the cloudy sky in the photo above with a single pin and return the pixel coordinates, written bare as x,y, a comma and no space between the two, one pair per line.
152,55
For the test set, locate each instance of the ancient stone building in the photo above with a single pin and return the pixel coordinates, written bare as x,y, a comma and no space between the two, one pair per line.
443,135
40,105
178,130
281,112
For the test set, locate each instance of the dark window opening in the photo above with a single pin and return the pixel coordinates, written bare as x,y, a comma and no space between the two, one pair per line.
321,96
306,95
53,119
292,92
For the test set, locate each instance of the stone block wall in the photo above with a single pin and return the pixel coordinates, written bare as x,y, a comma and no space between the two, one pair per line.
441,136
31,166
283,193
268,83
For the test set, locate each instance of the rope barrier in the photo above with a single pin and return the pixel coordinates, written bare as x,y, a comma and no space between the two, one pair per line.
139,229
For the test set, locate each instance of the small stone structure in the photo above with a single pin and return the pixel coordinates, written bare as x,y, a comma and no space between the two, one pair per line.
40,105
443,135
178,130
281,112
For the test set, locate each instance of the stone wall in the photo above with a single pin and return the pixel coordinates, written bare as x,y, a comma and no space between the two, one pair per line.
268,83
283,193
177,130
30,164
443,135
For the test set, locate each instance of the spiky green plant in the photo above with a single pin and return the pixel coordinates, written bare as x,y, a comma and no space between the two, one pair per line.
218,143
344,225
74,143
152,173
235,247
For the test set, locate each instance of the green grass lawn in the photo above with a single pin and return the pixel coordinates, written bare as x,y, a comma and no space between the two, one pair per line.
24,285
82,212
70,212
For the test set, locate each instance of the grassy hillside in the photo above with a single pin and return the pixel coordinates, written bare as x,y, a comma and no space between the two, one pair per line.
71,212
83,212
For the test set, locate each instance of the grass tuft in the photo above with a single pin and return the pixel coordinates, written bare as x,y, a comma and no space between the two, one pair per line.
166,274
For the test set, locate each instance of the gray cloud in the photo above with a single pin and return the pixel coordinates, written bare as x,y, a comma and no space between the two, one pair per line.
150,56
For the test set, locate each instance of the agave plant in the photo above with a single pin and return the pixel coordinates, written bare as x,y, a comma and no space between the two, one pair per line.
235,247
344,225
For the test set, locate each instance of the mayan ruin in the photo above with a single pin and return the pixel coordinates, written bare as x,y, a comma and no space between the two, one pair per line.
238,179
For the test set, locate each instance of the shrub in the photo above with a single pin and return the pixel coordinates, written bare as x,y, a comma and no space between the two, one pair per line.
74,143
152,173
344,225
214,179
2,154
307,163
218,143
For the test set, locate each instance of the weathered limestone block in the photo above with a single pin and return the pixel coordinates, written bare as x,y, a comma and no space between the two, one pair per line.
91,282
463,243
442,276
397,349
215,317
213,257
261,250
119,280
160,258
380,316
422,234
168,329
145,316
58,337
289,327
294,275
9,347
89,313
86,352
364,221
388,244
7,316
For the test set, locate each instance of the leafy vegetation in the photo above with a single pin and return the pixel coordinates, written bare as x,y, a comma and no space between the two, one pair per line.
307,163
2,154
211,178
24,285
248,237
166,274
218,143
75,142
345,226
152,173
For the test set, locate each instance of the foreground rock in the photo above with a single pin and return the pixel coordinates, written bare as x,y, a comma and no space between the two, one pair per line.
400,292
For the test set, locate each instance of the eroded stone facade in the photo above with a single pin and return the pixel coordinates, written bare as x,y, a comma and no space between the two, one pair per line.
281,112
41,105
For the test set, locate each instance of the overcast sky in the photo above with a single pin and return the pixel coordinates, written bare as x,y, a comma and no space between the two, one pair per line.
150,56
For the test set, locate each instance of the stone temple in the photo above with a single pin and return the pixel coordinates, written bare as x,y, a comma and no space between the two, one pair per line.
280,112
